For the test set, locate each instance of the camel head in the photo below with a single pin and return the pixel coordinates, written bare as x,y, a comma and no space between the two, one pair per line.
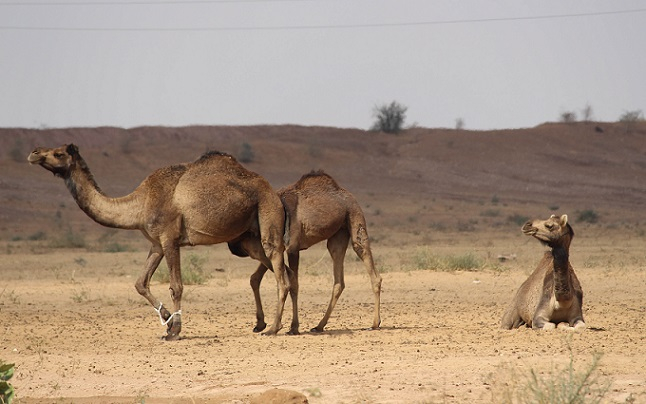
59,161
552,232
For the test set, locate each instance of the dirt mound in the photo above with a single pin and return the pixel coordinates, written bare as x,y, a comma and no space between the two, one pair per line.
564,167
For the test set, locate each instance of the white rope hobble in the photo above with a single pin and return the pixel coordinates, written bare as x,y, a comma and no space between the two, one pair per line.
161,319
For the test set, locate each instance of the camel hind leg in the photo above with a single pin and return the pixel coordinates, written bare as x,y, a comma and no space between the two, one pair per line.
252,247
271,220
337,246
293,260
255,280
361,246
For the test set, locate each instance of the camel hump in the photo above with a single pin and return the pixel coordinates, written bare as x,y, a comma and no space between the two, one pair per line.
319,178
209,155
223,162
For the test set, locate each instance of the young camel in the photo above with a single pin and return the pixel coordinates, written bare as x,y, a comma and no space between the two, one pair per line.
552,294
209,201
318,209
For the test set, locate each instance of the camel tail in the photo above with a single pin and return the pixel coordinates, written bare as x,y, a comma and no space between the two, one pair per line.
287,223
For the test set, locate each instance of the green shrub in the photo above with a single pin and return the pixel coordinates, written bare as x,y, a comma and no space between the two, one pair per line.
560,385
588,216
389,118
68,239
39,235
490,213
193,272
424,259
246,153
517,219
7,392
114,247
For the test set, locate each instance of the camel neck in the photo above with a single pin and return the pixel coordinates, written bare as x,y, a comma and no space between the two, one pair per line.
111,212
562,286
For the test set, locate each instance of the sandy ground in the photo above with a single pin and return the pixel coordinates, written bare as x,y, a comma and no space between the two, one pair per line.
78,331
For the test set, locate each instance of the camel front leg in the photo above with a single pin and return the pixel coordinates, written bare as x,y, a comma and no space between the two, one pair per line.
255,280
143,283
361,246
176,288
337,246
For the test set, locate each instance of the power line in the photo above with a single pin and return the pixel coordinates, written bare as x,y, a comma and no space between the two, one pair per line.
328,26
142,3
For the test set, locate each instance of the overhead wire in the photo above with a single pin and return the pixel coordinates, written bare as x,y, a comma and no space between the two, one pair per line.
304,27
142,3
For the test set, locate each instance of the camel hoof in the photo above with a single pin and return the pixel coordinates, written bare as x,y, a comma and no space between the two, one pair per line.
259,327
269,332
171,337
315,330
173,330
293,332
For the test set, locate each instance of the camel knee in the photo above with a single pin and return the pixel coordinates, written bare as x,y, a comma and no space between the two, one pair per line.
141,287
360,249
376,284
255,279
360,242
176,292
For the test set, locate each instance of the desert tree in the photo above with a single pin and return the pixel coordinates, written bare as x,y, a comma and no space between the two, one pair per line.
586,113
246,154
568,117
630,118
389,118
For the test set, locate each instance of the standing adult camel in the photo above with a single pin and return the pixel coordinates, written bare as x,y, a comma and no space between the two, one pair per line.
209,201
317,209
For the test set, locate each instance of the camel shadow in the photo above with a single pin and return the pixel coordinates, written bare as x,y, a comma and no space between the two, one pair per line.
332,332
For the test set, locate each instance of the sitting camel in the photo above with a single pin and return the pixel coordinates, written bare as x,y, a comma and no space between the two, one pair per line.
552,294
212,200
318,209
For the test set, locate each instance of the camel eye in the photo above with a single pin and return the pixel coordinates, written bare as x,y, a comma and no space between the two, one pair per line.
550,226
59,155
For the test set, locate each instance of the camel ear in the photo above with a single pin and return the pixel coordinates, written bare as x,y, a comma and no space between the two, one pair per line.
563,220
72,150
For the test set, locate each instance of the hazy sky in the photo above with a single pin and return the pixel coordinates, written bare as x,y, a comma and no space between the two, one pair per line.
494,64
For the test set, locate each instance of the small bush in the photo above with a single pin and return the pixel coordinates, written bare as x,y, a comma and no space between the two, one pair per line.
114,247
68,239
588,216
517,219
193,272
568,117
632,116
6,389
17,153
246,153
39,235
423,259
490,213
389,118
559,386
80,296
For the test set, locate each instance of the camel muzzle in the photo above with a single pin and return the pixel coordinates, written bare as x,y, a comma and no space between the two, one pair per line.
35,157
529,229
